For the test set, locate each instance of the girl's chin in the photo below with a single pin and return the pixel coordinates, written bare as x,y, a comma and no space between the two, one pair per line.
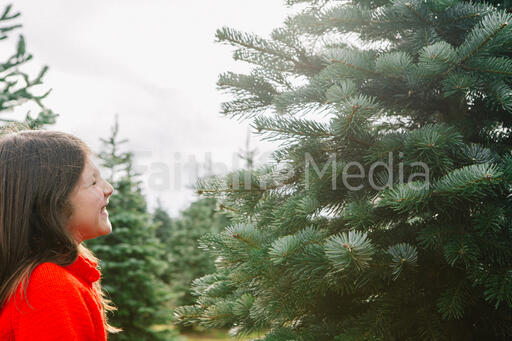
107,229
102,231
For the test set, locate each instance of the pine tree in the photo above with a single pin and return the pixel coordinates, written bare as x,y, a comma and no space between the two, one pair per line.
131,256
326,246
164,221
16,86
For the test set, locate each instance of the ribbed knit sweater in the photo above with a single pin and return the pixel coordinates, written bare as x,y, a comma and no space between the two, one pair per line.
63,306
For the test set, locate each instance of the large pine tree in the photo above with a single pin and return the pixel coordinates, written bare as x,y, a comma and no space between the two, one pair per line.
386,214
131,256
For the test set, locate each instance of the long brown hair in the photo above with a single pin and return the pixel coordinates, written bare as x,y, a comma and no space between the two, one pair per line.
38,171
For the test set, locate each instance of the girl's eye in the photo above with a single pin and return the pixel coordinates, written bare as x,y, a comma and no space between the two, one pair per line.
94,183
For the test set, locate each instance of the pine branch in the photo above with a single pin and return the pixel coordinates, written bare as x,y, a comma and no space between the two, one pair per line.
251,42
498,72
223,206
475,35
358,68
5,15
492,35
469,182
282,128
417,15
468,16
347,249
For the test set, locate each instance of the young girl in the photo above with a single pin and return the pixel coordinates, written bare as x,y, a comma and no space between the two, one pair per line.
52,198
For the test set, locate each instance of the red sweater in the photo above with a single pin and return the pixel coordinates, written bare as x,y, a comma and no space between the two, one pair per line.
64,306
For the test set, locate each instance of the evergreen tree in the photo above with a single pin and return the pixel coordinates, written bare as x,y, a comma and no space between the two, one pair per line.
186,261
325,245
164,223
131,256
15,85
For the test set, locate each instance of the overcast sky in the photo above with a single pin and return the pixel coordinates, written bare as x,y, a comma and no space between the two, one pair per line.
155,64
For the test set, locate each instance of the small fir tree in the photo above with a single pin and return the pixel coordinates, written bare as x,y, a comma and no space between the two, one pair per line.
322,250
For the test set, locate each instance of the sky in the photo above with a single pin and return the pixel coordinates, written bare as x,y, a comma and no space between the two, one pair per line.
155,64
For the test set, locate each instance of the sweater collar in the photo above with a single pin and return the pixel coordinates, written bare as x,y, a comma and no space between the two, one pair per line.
85,269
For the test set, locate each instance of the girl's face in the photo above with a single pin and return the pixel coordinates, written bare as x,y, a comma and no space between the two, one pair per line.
89,218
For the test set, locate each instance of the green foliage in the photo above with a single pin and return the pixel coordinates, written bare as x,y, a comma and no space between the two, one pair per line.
349,248
180,236
131,257
403,256
16,86
386,212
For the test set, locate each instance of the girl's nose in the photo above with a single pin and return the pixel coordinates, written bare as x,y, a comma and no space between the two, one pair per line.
109,189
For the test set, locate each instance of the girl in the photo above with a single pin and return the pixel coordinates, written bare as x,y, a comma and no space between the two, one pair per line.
52,198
